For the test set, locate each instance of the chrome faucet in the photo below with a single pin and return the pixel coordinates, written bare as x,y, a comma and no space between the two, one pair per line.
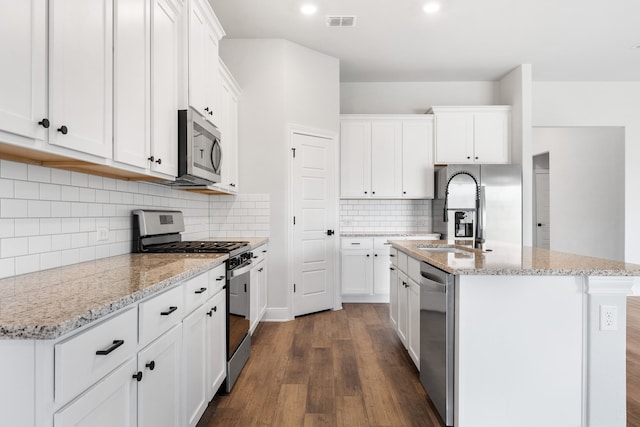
479,232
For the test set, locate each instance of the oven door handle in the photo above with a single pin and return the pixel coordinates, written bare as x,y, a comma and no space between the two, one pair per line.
242,270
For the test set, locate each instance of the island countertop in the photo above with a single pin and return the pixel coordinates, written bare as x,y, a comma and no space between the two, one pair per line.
512,260
50,303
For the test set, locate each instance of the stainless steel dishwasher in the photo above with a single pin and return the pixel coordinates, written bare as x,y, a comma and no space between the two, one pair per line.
437,338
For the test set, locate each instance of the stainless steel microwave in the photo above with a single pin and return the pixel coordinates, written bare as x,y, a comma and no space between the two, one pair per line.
199,150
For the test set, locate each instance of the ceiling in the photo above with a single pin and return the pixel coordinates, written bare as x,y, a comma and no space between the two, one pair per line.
467,40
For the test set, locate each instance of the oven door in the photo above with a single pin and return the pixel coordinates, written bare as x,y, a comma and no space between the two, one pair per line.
239,300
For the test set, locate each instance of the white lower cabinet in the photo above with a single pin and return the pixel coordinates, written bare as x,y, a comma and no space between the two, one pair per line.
159,388
157,363
258,291
111,402
405,302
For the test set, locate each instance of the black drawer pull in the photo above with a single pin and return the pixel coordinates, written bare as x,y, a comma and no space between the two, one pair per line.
168,312
220,278
63,130
254,257
116,344
391,255
260,269
138,376
151,365
201,290
392,269
215,308
44,123
210,313
264,252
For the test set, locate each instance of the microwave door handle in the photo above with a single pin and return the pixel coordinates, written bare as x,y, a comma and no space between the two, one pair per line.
216,143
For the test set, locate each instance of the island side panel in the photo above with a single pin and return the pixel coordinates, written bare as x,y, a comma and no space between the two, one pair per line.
519,343
17,379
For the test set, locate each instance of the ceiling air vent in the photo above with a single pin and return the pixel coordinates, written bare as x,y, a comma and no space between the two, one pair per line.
341,21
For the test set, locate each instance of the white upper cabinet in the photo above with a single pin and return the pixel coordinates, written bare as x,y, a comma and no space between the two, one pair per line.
386,157
23,52
204,81
228,123
81,75
165,72
417,159
472,134
132,81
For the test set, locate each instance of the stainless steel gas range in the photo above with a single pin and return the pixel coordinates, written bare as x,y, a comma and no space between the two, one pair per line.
156,231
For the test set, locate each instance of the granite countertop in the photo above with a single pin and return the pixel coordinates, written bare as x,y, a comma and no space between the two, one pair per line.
387,234
51,303
513,260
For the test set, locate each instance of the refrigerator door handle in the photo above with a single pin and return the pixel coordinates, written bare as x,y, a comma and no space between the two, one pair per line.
481,212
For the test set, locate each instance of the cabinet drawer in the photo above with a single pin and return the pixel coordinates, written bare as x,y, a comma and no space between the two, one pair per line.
83,359
402,261
357,243
393,255
217,279
259,254
160,313
196,292
413,269
383,242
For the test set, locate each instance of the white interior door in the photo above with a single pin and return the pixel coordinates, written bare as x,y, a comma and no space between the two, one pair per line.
543,227
315,210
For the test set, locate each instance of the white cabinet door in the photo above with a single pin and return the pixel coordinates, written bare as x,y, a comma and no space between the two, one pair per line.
386,159
81,75
381,261
228,122
262,289
165,63
453,138
23,52
403,307
253,300
195,365
111,402
203,61
355,159
357,266
131,81
491,137
417,161
159,391
413,337
216,344
393,297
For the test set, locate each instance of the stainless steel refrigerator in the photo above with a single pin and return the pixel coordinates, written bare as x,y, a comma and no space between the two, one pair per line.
500,199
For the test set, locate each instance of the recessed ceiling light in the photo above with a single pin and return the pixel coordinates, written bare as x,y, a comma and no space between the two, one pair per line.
431,7
308,9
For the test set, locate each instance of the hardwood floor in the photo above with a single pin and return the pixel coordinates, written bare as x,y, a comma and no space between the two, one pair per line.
335,368
348,368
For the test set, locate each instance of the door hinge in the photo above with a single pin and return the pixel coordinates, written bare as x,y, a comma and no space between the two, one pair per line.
294,152
294,287
294,220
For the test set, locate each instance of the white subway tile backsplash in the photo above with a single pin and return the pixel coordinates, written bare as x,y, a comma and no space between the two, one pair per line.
39,209
7,267
27,264
13,208
13,247
395,216
13,170
7,228
60,242
70,194
50,226
50,192
39,244
27,227
27,190
37,173
6,188
79,179
59,176
50,260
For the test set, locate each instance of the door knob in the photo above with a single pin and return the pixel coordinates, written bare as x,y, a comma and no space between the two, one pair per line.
540,224
330,232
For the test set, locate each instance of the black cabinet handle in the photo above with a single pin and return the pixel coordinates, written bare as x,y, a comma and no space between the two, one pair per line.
245,287
264,252
159,161
368,255
232,185
365,192
116,344
476,157
206,109
392,269
468,157
151,365
168,312
330,232
404,192
373,192
392,255
376,255
254,257
138,376
260,269
44,123
215,308
63,130
219,278
151,159
201,290
210,313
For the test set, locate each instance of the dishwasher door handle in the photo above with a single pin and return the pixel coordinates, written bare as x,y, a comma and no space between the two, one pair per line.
433,285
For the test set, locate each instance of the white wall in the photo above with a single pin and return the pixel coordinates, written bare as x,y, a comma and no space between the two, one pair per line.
586,173
281,83
385,216
413,97
558,104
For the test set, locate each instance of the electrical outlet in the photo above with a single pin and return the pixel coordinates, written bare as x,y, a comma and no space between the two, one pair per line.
102,234
608,318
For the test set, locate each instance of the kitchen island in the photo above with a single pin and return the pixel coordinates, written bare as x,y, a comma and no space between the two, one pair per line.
531,345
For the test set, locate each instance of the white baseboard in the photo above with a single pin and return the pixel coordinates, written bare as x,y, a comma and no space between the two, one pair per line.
281,314
365,298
